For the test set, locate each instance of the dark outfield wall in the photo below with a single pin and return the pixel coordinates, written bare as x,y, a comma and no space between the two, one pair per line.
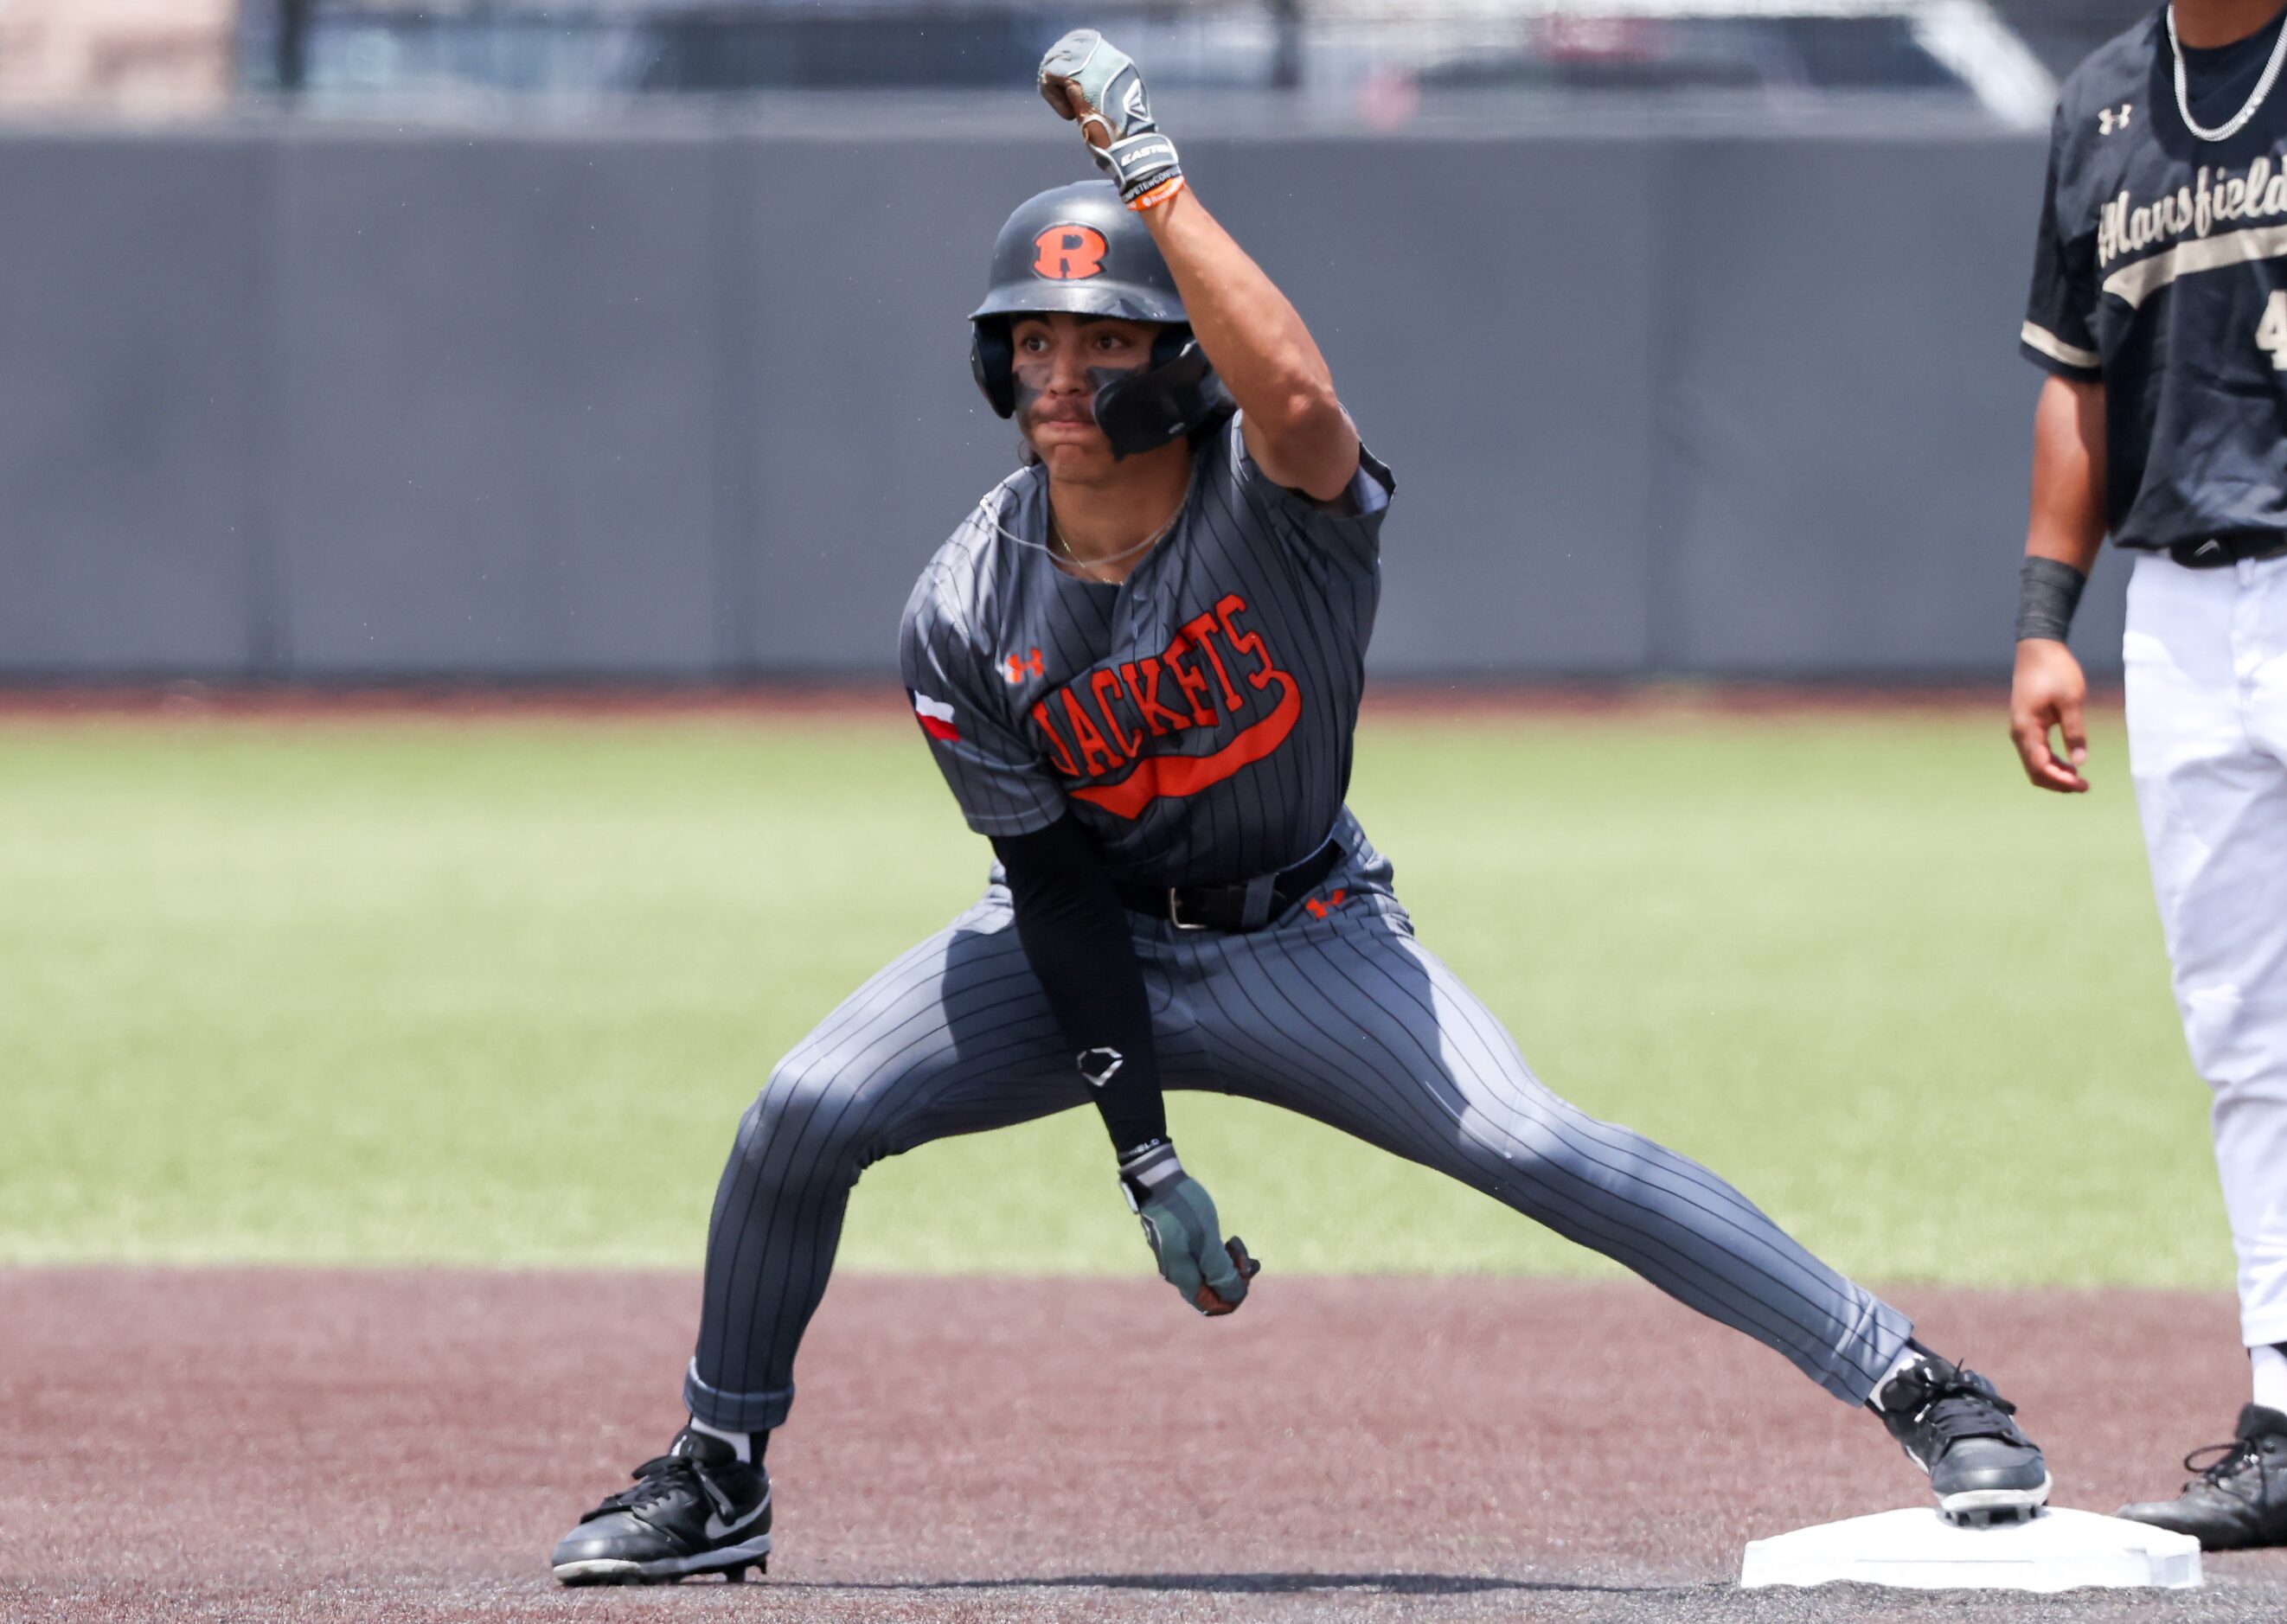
339,404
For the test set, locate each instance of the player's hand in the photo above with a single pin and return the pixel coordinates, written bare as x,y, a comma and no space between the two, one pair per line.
1090,81
1179,1220
2049,692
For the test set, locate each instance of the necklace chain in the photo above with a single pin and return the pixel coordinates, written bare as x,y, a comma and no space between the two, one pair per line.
1057,542
2262,88
1056,546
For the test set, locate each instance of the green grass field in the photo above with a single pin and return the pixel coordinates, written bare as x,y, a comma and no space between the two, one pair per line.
498,991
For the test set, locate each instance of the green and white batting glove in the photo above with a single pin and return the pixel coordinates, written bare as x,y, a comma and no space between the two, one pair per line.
1087,79
1179,1220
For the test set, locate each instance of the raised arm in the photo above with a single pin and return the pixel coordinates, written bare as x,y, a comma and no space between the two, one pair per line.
2049,690
1296,430
1295,427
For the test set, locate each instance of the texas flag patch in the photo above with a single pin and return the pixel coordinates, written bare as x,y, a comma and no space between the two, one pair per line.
936,717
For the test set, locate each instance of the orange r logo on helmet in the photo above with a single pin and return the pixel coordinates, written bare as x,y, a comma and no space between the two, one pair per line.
1068,252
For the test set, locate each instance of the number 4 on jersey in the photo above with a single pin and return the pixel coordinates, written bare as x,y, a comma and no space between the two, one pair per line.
2271,332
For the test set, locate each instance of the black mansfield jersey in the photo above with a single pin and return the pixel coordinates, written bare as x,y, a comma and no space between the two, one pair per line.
2161,269
1196,718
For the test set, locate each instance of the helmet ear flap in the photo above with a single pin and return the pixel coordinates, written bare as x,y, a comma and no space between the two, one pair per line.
992,363
1142,411
1168,345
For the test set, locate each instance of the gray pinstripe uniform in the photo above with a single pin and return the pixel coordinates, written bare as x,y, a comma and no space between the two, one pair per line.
1197,719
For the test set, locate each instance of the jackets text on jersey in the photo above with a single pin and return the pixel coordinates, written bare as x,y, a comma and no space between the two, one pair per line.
1213,672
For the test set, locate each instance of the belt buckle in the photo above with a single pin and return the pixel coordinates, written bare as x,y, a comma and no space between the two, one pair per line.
1175,912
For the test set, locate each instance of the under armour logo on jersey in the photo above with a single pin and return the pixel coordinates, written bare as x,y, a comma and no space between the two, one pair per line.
1100,1066
2108,120
1069,253
1014,666
1319,910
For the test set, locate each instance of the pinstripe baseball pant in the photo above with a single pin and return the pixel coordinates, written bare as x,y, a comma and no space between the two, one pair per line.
1340,1016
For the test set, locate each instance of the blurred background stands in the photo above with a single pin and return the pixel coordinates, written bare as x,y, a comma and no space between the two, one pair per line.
2062,32
1367,58
133,57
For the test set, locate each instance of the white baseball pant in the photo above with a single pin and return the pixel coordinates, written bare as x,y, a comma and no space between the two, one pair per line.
2206,657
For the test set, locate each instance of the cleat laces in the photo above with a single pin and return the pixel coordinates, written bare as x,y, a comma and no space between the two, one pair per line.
2233,1459
655,1480
1963,1404
1967,1408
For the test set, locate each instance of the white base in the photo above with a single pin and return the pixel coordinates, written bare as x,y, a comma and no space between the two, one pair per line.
1920,1550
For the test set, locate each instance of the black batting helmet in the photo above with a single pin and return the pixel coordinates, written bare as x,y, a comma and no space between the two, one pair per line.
1079,250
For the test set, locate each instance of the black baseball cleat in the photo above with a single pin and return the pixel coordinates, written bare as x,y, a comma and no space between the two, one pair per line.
2239,1501
698,1509
1954,1425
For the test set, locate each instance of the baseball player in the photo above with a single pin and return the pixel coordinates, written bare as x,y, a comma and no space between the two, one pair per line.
2159,311
1138,662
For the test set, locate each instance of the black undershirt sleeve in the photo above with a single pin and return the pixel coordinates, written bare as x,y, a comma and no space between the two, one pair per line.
1074,932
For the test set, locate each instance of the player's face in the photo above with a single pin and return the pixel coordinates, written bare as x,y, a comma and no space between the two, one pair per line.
1061,361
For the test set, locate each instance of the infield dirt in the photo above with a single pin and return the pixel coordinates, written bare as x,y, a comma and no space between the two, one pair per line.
397,1445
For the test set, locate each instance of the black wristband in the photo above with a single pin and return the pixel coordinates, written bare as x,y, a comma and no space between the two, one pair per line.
2048,591
1146,1170
1139,163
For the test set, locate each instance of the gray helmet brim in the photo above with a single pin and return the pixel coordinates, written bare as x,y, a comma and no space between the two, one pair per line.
1092,297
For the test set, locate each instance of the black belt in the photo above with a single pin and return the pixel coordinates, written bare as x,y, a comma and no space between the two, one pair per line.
1249,905
2217,551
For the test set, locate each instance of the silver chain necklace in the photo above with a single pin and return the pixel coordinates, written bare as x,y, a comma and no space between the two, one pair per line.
2262,86
1055,547
1085,566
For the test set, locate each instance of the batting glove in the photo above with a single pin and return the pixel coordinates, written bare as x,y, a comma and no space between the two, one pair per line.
1179,1220
1087,79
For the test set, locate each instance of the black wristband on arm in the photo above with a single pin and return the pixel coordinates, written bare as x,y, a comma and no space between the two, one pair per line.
2048,591
1074,932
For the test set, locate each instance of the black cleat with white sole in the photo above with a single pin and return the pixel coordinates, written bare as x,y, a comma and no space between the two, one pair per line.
698,1509
1954,1425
